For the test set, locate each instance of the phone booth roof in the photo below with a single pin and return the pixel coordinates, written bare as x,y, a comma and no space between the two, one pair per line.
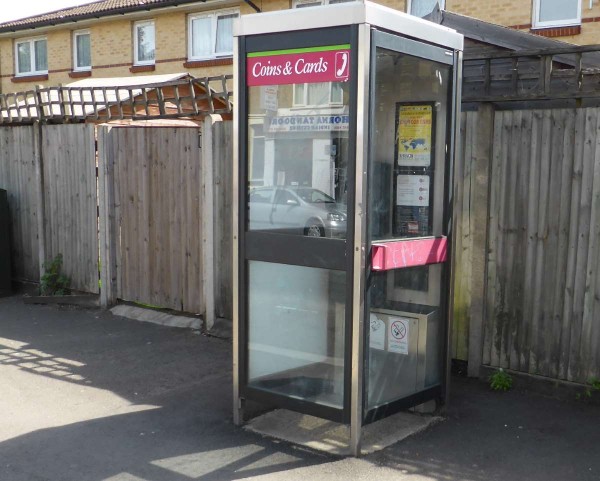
351,13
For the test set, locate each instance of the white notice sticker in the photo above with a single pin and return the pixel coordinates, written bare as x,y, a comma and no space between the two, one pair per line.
377,333
398,331
412,190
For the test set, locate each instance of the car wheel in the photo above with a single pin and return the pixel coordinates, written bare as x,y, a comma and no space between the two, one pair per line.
314,230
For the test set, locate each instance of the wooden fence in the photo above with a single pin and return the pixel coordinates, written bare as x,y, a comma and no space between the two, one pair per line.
50,175
71,201
527,274
20,176
164,210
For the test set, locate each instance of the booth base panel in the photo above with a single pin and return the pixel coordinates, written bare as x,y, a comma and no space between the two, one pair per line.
320,383
334,438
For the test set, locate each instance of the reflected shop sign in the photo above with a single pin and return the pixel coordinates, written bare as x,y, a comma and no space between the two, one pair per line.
308,123
329,63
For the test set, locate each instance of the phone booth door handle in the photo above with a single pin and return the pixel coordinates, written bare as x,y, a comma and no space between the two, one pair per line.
400,254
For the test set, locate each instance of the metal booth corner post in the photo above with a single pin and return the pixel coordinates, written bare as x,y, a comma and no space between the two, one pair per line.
360,239
238,414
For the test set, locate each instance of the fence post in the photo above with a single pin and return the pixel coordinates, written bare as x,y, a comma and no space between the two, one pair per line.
40,204
481,162
211,123
107,220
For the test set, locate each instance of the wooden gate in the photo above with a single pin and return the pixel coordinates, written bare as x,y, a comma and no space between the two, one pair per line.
154,227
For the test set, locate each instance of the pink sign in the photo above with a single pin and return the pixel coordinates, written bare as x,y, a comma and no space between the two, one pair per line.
408,253
303,65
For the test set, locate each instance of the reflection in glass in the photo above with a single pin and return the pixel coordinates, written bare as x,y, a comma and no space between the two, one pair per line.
41,55
298,157
24,57
296,331
225,33
145,42
201,37
83,48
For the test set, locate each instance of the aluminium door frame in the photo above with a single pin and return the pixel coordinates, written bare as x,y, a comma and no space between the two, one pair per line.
288,249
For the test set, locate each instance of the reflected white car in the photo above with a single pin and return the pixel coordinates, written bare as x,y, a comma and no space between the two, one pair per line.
297,210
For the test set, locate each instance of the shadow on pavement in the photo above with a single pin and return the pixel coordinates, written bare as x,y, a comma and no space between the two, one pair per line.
90,396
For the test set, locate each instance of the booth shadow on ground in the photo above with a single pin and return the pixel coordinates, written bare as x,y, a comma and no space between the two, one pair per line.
172,418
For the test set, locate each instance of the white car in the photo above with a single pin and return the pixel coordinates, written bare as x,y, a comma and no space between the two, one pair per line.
297,210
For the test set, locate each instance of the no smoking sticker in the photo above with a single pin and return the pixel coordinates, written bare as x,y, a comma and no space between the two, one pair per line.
398,335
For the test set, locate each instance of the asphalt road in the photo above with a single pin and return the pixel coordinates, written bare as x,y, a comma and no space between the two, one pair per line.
87,396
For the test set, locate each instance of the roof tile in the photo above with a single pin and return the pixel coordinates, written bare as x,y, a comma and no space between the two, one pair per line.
99,8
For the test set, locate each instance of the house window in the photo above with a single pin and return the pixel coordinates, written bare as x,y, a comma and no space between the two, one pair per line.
422,8
318,94
211,35
316,3
32,56
556,13
82,56
144,43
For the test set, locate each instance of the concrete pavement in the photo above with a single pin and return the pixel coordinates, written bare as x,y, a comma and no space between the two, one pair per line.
91,396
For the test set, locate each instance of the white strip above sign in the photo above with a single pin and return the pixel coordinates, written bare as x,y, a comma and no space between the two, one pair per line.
307,123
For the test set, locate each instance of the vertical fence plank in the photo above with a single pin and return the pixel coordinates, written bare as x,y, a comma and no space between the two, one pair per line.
18,177
492,250
519,354
537,140
536,353
563,195
587,356
462,251
574,175
223,178
484,123
107,220
499,301
549,210
576,368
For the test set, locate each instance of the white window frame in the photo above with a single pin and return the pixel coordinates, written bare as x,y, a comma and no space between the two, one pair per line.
214,16
409,3
136,25
31,41
78,33
320,2
567,22
303,103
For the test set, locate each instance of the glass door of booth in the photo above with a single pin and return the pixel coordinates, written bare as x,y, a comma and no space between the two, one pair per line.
296,219
410,120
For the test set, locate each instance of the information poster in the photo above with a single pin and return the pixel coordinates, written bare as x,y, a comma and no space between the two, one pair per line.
414,128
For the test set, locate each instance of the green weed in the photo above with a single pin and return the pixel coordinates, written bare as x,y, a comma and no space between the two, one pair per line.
500,380
54,282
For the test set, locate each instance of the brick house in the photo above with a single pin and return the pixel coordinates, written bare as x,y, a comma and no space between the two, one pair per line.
117,38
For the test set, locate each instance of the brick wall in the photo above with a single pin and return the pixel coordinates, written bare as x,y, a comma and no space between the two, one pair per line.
519,14
507,12
112,49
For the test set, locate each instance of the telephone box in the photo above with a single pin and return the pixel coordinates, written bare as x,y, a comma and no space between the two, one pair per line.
345,131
